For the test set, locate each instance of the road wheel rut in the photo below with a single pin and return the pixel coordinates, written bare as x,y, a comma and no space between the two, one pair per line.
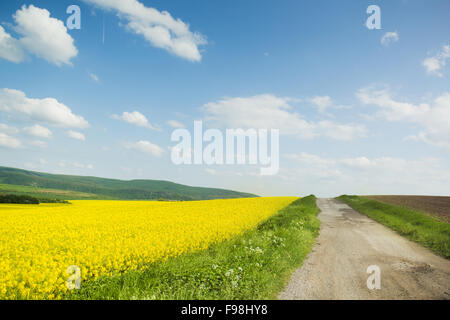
348,244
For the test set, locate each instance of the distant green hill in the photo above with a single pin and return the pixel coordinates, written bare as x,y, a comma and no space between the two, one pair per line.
45,185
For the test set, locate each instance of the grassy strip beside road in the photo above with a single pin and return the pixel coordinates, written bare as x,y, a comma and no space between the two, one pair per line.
255,265
414,225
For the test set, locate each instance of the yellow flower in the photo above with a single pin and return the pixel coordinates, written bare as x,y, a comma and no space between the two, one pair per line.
101,238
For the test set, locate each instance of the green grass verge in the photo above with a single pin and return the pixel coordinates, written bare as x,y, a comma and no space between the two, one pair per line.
414,225
254,265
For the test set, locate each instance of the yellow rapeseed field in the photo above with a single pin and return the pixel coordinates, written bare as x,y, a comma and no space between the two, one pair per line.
39,242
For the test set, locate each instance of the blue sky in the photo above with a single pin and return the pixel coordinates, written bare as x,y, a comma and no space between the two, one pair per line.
356,114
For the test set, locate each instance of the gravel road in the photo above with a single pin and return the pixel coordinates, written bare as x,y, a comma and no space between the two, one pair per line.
348,244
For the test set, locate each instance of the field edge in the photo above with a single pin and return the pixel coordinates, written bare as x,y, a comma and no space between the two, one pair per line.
412,224
254,265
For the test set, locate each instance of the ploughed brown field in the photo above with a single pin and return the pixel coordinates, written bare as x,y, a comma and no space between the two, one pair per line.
437,206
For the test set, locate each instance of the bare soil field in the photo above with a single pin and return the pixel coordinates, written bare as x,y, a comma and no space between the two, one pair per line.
436,206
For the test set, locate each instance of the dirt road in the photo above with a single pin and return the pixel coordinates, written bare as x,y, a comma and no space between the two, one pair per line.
348,243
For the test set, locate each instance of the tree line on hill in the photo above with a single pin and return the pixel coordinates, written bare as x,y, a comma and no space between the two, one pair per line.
24,199
103,188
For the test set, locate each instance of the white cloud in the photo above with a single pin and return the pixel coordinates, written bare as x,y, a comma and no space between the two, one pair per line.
41,35
263,111
322,103
270,112
135,118
175,124
47,110
82,166
433,117
44,36
343,132
210,171
38,131
181,115
389,164
145,147
76,135
389,37
365,175
94,77
391,109
424,137
8,141
359,162
308,158
38,143
8,129
64,164
157,27
10,48
433,65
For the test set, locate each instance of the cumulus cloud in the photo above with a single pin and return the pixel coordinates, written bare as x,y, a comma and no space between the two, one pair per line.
38,143
322,103
343,132
135,118
271,112
210,171
47,110
64,164
308,158
389,37
10,48
8,141
8,129
262,111
361,162
376,175
145,147
44,36
159,28
76,135
390,164
41,35
82,165
175,124
38,131
391,109
433,117
433,65
364,162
